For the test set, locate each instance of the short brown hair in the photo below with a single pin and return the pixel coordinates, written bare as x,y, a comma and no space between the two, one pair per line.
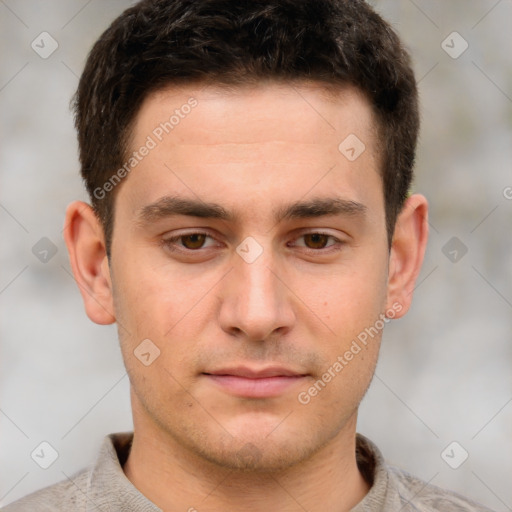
157,43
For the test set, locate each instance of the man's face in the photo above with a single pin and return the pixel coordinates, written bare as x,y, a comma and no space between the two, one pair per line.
252,252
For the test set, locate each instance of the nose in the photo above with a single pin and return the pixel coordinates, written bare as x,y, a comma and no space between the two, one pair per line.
255,302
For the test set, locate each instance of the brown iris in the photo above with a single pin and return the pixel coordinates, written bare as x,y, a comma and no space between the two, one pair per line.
193,241
316,240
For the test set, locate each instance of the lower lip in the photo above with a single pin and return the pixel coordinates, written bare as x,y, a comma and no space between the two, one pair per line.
265,387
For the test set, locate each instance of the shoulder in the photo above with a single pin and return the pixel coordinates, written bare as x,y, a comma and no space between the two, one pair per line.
395,489
101,486
417,495
67,495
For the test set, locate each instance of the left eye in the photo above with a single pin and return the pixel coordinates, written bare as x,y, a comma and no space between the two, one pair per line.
316,240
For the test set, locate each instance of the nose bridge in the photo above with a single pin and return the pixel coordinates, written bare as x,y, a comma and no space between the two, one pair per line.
260,286
256,301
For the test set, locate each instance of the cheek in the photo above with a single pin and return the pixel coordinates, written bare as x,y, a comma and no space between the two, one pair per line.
347,299
153,310
153,300
158,303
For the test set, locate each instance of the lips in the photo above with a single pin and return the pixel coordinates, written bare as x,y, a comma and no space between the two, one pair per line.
255,383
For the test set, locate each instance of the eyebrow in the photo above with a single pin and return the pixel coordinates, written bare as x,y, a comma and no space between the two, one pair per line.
320,207
169,206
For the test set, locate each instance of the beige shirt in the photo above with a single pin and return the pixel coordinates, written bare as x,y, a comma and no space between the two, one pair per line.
105,488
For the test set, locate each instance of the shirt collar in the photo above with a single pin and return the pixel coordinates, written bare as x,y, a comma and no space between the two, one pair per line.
109,489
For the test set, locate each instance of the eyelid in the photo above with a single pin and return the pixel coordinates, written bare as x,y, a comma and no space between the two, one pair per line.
316,231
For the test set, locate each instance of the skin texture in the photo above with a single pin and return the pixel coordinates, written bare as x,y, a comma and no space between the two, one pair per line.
252,151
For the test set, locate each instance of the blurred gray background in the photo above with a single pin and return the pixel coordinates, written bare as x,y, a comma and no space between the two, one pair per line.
445,370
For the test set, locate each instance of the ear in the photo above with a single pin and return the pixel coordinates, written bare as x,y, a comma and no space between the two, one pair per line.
85,241
407,252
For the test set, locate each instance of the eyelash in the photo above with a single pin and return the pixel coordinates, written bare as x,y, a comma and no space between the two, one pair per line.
170,243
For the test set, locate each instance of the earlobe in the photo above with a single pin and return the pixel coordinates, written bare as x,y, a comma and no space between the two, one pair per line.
84,238
407,252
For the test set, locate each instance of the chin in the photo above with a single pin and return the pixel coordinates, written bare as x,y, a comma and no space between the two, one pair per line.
260,450
258,458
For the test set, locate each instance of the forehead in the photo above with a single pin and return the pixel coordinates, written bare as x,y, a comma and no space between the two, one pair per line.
237,109
270,140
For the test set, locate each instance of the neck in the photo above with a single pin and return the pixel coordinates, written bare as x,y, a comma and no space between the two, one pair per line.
175,479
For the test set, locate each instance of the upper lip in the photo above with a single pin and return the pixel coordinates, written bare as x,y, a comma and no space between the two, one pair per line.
249,373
